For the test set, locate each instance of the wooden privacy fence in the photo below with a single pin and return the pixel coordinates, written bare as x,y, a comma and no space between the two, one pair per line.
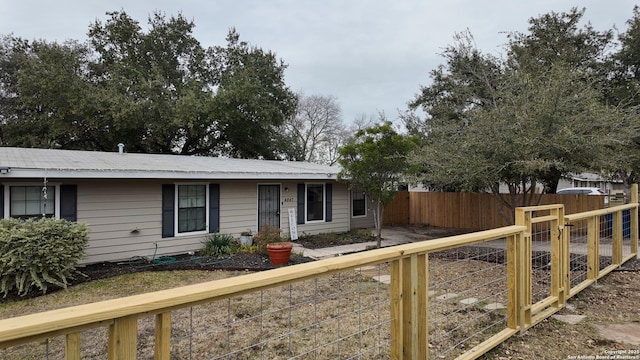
472,211
532,272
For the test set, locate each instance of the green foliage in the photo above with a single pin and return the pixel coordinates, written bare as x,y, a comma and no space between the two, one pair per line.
375,161
555,38
38,253
267,235
157,91
623,90
523,120
218,245
252,101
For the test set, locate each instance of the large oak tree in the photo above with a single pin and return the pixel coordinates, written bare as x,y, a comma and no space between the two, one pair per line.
157,91
524,119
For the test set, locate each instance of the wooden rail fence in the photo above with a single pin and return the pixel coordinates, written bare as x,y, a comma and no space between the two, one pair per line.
472,211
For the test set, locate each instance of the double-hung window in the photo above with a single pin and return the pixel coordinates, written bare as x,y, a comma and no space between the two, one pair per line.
26,201
191,208
358,203
315,202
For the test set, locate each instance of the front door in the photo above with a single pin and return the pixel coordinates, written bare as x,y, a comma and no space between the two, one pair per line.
268,205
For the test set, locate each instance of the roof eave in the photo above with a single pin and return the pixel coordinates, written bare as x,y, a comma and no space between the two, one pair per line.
17,173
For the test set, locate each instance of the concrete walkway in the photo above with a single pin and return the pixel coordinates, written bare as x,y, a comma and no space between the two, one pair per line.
397,236
390,237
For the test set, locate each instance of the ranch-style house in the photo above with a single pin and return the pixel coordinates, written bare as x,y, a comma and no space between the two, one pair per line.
141,204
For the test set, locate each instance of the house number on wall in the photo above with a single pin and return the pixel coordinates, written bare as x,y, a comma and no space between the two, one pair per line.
289,199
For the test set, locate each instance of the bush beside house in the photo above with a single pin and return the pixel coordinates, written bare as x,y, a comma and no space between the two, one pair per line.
36,253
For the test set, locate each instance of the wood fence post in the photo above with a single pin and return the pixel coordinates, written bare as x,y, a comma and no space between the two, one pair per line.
515,304
72,346
566,237
559,257
123,339
411,276
524,270
163,336
616,238
395,296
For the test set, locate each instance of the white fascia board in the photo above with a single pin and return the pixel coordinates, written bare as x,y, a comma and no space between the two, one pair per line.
175,175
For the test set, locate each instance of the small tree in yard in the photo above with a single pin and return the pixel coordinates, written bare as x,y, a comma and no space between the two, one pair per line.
374,161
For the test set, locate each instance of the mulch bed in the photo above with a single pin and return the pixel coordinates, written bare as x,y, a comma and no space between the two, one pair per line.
246,261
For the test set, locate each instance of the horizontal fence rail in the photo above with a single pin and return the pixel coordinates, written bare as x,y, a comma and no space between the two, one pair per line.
454,297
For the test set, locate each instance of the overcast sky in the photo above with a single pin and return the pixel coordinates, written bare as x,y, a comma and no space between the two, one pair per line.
371,55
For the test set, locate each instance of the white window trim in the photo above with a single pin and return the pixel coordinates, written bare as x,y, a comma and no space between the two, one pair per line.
324,203
175,211
7,196
365,207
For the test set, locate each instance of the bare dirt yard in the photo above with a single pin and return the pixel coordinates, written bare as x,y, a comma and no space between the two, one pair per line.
613,301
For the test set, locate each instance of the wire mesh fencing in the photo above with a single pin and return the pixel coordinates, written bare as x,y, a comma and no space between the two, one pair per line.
578,251
467,297
341,316
605,241
93,346
626,233
540,261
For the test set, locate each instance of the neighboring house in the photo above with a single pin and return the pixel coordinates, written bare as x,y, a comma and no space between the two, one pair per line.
607,185
145,204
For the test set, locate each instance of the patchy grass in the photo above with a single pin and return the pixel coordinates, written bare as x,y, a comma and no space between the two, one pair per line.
325,318
110,288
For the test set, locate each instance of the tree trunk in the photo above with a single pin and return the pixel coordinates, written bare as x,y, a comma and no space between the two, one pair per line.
550,180
377,219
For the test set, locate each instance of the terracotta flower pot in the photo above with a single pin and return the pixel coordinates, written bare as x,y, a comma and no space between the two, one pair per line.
279,252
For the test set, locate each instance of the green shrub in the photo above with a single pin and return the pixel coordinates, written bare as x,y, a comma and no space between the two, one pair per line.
39,253
218,245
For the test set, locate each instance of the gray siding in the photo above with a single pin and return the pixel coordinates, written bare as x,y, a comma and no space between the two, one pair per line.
340,218
125,216
363,222
125,219
238,207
